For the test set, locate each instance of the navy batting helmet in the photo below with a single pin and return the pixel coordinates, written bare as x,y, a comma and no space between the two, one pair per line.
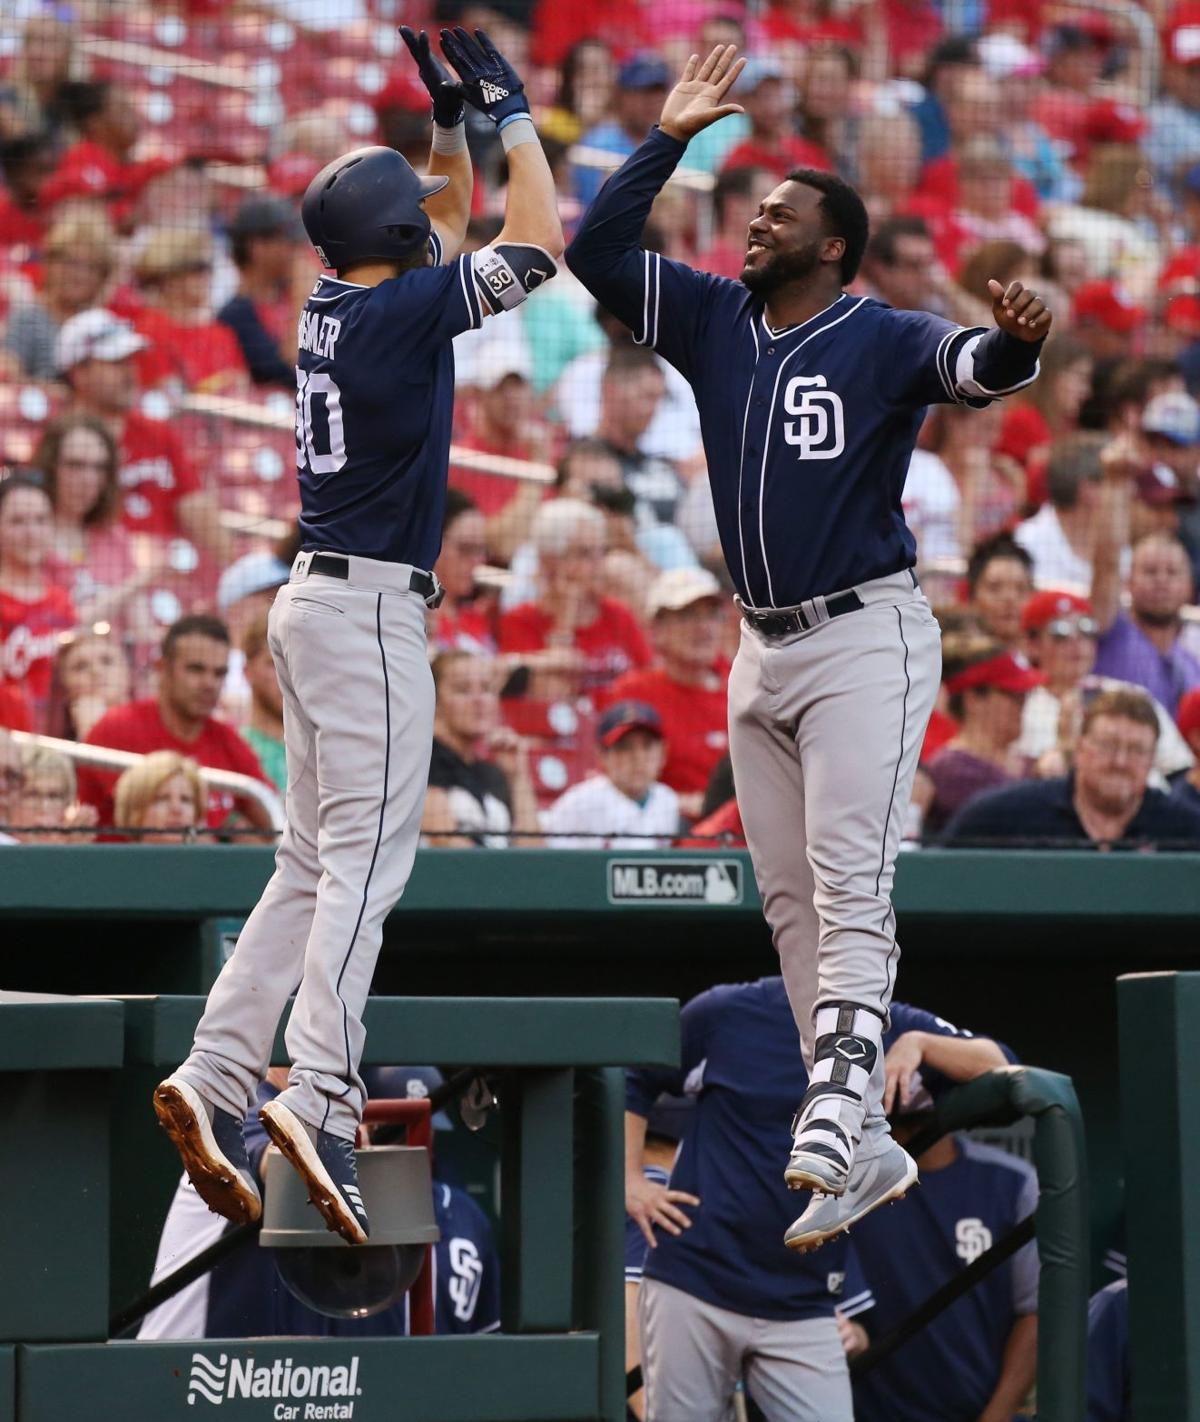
366,206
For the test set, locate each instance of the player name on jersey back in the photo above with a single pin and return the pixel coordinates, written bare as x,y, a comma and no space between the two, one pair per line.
318,334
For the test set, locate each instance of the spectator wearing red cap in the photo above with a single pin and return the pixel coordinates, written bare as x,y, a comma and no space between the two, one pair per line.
1060,641
1174,137
987,685
687,686
1187,787
1106,319
161,489
625,805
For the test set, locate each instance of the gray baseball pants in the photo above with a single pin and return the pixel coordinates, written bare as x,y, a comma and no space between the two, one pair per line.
693,1355
358,726
825,729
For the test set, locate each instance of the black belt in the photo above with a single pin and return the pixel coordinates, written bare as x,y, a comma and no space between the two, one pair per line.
783,623
334,565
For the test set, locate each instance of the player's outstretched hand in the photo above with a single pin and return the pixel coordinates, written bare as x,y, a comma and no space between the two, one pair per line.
489,82
1019,311
446,93
650,1205
697,100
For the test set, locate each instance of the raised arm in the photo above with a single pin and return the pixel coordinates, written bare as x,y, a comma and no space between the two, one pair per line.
450,210
491,85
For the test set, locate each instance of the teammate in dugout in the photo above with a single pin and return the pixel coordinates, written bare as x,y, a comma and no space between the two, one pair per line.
375,394
810,400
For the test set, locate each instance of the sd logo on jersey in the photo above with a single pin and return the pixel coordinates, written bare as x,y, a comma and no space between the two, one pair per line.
819,431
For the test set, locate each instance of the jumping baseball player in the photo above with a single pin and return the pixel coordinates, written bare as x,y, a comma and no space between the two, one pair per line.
374,400
810,400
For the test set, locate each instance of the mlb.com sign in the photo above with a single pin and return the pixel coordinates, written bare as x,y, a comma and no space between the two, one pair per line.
299,1392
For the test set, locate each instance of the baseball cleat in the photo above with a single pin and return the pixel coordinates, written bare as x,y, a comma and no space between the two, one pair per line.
872,1183
809,1168
213,1149
326,1165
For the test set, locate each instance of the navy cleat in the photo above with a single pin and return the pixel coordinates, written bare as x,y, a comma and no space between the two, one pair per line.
326,1165
213,1149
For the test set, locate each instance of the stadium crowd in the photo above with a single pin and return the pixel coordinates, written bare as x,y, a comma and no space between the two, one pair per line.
151,268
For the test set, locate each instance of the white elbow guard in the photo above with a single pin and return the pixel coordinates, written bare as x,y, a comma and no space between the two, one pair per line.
508,272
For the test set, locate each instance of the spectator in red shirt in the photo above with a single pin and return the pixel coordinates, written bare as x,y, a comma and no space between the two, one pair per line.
189,349
195,662
161,489
464,621
78,460
34,612
91,675
825,100
499,416
100,164
688,685
27,161
737,194
585,640
771,144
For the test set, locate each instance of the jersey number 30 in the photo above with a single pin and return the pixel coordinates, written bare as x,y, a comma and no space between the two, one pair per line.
308,388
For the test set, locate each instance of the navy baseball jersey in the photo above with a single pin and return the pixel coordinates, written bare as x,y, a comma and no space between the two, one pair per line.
808,430
909,1251
375,400
1108,1398
741,1060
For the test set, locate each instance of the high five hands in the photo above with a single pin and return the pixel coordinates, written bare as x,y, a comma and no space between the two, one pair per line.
696,101
1019,311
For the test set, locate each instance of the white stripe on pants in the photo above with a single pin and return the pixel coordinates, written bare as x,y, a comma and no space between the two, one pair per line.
358,725
693,1355
825,729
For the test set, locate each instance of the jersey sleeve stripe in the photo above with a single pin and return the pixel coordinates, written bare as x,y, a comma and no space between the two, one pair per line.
643,339
657,293
435,247
466,265
860,1303
943,364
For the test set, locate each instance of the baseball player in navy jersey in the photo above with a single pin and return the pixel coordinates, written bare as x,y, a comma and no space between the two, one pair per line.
243,1295
810,400
375,390
721,1298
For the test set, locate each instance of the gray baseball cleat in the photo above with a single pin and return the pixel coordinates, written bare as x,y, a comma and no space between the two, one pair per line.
813,1167
872,1183
213,1149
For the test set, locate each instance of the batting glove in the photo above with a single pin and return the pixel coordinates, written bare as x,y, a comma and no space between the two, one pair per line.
489,82
447,96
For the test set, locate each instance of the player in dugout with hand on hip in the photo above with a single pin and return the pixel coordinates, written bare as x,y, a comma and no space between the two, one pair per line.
810,400
375,393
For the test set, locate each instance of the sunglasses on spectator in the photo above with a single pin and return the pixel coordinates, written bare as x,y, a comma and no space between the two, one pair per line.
1073,626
